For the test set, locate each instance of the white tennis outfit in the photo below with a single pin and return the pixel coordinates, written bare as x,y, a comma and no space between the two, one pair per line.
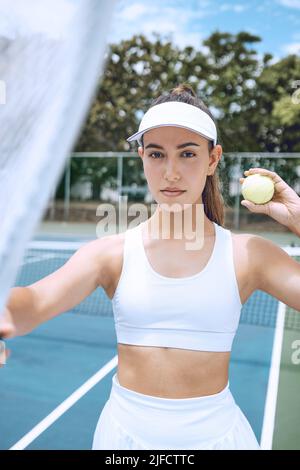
198,312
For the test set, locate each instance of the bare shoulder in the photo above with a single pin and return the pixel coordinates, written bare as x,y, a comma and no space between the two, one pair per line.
249,241
276,272
258,247
105,247
252,251
243,243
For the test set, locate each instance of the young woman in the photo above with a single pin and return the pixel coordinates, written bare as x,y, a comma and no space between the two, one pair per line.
177,290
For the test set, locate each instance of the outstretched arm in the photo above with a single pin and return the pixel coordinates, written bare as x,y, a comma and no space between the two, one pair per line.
58,292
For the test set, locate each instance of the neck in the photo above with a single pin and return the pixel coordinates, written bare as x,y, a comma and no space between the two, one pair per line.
185,224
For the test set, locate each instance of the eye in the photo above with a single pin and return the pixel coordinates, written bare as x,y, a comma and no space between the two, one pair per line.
190,153
154,153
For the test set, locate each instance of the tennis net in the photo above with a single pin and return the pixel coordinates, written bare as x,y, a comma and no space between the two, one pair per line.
44,257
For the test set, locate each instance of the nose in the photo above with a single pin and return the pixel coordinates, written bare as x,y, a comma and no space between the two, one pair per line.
171,171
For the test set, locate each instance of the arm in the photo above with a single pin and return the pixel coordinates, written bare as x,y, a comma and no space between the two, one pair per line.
277,273
29,306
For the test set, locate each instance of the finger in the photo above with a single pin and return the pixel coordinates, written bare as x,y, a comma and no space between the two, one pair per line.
279,184
7,354
262,171
4,354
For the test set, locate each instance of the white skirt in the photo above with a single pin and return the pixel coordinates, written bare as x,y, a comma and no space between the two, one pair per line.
132,420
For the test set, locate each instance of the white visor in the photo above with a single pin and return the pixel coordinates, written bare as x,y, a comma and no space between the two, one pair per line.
178,114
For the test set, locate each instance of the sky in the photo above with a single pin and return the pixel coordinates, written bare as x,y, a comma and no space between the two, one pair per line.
189,22
24,17
185,22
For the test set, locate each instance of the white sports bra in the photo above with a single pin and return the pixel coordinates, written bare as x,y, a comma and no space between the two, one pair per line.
199,312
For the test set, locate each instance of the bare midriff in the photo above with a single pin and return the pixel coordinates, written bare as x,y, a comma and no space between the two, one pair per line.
171,372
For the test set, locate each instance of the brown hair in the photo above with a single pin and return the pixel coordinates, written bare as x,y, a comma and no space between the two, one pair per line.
212,197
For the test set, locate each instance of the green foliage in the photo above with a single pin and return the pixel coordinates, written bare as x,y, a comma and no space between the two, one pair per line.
250,97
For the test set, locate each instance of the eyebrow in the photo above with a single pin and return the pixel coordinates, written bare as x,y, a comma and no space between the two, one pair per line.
181,146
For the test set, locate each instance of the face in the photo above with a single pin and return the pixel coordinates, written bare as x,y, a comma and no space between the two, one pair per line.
176,157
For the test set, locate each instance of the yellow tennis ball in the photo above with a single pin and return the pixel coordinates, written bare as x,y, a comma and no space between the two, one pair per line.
258,188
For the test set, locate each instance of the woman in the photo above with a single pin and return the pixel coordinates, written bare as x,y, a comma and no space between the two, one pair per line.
177,283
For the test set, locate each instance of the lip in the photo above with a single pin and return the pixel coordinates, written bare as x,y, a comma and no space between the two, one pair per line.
172,193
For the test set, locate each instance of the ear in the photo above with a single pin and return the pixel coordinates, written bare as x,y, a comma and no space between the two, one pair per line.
141,151
214,158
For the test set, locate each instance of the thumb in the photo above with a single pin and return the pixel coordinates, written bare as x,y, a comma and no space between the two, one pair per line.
257,208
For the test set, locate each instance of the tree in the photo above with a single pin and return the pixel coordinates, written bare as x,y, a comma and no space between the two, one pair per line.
249,96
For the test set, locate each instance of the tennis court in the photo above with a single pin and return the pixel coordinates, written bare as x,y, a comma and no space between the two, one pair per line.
58,378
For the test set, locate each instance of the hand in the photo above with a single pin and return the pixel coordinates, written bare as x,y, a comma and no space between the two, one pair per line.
7,327
7,330
4,356
284,205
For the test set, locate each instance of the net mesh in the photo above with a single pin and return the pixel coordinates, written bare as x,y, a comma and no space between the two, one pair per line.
50,66
42,258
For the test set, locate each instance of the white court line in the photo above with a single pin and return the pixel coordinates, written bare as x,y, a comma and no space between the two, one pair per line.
39,258
291,250
271,398
54,245
46,246
64,406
